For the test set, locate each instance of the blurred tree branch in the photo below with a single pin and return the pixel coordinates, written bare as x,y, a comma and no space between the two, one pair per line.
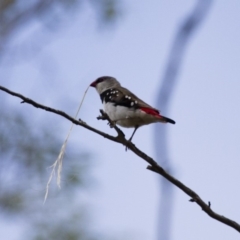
16,14
26,152
168,83
120,138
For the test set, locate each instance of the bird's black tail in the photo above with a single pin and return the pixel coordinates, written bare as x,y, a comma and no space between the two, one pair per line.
168,120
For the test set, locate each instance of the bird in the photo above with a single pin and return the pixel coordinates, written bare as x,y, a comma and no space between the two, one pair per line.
123,107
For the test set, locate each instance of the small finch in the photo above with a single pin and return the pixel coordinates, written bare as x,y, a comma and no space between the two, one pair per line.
123,107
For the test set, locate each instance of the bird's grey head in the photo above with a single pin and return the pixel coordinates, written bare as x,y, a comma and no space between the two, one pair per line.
103,83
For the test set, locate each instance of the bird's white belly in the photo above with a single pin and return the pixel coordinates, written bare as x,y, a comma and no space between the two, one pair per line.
127,117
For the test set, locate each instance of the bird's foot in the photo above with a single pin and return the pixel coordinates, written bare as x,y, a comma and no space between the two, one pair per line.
112,124
104,116
129,141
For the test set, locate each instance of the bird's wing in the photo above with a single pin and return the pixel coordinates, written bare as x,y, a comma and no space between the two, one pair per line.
123,97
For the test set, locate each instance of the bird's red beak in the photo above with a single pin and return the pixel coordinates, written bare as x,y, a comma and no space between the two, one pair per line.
93,84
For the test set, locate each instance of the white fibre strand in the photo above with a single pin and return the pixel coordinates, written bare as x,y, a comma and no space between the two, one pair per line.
59,161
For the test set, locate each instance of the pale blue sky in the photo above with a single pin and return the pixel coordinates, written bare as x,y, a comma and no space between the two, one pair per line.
204,142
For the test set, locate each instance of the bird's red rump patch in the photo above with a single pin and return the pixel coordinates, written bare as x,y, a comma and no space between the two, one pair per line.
151,111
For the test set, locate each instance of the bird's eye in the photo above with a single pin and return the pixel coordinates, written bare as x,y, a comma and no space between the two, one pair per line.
99,80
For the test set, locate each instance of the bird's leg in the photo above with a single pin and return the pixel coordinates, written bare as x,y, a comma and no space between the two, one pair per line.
130,139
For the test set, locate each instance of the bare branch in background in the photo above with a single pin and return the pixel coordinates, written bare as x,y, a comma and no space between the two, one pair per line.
16,15
153,165
21,14
168,84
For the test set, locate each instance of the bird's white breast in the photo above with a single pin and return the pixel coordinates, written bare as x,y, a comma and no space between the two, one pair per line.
117,113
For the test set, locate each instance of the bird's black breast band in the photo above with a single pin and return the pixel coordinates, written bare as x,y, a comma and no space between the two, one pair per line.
106,95
114,96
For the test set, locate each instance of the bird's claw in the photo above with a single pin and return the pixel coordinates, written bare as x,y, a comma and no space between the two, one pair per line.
111,124
128,143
